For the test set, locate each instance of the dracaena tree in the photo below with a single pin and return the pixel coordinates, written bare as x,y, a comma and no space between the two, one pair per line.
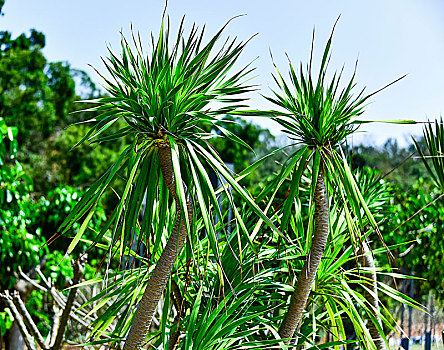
318,115
165,100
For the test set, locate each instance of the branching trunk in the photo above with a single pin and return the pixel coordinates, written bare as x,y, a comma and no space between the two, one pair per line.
366,260
159,277
14,340
306,279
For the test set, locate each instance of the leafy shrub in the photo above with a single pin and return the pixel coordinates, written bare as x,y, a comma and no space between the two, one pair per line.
27,224
54,208
18,247
418,217
6,320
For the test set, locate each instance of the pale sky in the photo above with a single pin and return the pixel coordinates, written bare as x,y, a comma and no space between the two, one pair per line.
390,37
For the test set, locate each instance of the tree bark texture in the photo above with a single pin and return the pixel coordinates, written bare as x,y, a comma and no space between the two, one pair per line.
293,317
161,273
366,260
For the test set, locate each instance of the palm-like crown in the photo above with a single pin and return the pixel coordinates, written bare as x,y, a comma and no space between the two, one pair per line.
169,98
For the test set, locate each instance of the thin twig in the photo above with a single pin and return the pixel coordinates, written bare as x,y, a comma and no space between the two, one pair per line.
31,281
42,276
55,326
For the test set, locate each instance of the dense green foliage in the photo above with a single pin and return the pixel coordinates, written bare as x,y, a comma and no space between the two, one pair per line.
27,224
19,247
418,218
416,211
27,100
397,164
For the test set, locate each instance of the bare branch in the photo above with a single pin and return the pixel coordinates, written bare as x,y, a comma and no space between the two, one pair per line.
31,281
78,272
55,327
31,326
42,276
28,339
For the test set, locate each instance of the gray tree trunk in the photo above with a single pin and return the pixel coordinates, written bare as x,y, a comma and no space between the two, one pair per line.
366,260
306,279
161,273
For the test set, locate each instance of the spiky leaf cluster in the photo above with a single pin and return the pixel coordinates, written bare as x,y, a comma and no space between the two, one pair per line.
434,140
319,113
169,90
165,99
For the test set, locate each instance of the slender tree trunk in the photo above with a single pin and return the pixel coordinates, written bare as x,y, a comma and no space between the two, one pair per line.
306,279
161,273
367,260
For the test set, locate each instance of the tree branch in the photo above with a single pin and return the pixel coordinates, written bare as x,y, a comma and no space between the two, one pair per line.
30,324
31,281
27,338
78,272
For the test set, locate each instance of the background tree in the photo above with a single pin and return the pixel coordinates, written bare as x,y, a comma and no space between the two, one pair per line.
399,165
25,225
417,218
434,162
38,98
233,152
25,94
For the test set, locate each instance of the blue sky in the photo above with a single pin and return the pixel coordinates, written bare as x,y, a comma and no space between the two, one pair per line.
390,37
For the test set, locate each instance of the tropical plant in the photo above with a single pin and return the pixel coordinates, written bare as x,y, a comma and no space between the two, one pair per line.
434,142
318,118
197,309
377,194
165,98
344,304
219,301
426,202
